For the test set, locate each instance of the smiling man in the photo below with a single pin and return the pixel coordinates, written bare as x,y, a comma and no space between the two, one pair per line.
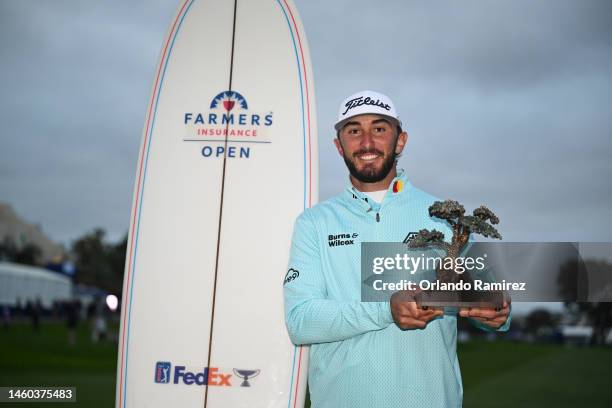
370,354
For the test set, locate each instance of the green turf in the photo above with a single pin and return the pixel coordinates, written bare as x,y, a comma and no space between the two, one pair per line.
495,374
45,358
502,374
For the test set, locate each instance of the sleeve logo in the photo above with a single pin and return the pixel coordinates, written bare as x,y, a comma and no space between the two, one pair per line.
292,274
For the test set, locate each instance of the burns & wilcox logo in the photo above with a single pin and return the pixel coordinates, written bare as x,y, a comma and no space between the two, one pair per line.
335,240
229,116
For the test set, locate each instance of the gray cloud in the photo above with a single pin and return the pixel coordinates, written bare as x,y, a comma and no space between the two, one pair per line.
76,77
503,43
507,103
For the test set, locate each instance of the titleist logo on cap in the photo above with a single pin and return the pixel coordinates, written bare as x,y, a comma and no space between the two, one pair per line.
360,100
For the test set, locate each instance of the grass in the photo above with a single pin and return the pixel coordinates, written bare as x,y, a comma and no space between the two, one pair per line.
45,358
495,374
502,374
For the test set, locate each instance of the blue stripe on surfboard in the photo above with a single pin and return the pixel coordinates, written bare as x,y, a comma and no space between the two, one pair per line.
144,177
305,203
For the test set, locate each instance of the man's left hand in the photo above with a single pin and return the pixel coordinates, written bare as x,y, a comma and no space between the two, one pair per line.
488,316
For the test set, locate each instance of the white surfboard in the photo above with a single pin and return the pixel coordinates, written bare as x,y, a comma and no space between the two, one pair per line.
227,162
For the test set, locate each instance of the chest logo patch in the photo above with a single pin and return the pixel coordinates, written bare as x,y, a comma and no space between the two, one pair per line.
410,237
335,240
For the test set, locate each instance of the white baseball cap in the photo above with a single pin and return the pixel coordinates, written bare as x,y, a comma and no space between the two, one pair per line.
366,102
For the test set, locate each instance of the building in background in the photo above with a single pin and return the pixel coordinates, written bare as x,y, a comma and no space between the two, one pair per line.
20,284
16,230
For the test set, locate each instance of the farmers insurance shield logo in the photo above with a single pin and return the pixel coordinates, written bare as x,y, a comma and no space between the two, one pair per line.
228,100
230,116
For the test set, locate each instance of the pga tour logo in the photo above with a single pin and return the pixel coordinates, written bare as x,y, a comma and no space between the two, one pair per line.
212,376
162,372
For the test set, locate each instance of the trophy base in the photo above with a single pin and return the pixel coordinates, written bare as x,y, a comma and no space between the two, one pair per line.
466,298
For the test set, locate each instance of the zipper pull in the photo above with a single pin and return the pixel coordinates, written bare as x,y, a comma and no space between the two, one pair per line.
377,217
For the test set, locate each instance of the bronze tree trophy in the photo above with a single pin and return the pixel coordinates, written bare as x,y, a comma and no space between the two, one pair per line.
480,222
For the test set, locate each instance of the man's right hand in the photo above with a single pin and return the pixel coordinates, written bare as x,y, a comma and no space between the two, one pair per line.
406,313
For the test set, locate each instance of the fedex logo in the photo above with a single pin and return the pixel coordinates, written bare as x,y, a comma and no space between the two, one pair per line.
213,376
209,376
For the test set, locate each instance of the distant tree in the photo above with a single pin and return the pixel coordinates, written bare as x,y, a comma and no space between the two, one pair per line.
572,282
538,319
99,263
117,253
8,249
91,261
600,315
28,254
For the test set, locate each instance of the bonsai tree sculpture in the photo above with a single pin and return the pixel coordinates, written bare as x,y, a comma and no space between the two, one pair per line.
480,222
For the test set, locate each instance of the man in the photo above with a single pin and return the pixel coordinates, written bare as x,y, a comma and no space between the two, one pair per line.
370,354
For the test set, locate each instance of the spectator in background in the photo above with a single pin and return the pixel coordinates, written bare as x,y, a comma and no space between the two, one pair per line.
72,320
6,317
37,311
100,327
33,312
98,322
19,308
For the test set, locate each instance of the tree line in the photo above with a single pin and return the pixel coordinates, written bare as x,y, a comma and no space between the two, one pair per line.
97,262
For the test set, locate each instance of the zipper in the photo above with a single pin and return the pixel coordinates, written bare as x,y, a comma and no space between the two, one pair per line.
377,217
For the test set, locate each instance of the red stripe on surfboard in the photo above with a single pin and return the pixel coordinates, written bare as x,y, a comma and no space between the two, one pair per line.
297,381
297,33
136,204
139,185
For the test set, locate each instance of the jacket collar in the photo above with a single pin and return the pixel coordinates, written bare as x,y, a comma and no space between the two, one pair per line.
398,187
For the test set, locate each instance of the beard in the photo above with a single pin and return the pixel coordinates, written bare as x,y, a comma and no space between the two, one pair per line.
371,174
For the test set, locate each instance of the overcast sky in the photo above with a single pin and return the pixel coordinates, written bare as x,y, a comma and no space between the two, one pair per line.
507,103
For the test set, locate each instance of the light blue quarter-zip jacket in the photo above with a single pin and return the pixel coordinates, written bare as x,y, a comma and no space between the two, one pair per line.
358,356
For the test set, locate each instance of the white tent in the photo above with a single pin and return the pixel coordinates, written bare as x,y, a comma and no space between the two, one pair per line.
28,283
